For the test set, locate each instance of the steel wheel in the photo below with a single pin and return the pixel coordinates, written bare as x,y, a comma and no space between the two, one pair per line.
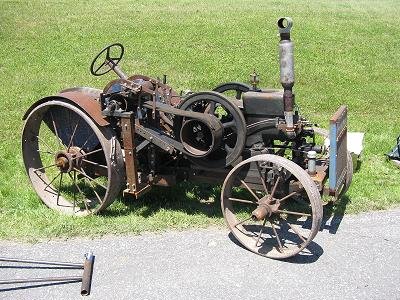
271,206
74,166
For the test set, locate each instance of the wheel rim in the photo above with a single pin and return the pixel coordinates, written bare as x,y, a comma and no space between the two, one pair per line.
263,214
237,88
69,160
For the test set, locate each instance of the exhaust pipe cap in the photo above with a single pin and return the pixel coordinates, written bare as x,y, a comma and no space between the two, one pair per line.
285,24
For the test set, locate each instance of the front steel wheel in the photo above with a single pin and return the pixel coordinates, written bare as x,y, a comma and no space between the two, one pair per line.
271,205
74,166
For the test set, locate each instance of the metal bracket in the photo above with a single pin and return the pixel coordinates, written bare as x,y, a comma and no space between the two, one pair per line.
338,150
128,137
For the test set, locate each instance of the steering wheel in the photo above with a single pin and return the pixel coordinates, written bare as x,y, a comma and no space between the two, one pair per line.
107,58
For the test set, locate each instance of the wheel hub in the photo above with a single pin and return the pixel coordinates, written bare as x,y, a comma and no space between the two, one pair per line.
267,206
67,160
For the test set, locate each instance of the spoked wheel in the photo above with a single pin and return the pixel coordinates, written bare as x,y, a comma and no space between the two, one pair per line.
233,122
271,205
74,166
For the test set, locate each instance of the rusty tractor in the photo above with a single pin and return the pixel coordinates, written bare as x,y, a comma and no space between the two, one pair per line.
84,145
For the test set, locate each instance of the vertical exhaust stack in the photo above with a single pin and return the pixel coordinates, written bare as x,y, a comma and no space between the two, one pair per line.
286,61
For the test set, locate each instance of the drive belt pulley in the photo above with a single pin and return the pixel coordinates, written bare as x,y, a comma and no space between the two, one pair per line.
234,127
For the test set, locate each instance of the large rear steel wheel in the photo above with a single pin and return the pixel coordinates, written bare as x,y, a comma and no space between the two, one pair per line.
74,166
271,205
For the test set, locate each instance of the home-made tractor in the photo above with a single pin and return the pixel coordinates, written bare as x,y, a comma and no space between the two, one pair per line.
81,146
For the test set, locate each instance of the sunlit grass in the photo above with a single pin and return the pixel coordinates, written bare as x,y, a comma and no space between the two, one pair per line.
346,53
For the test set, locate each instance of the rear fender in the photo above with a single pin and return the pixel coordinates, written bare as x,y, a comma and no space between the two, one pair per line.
86,99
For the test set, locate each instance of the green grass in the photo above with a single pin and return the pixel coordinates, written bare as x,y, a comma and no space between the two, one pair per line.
346,53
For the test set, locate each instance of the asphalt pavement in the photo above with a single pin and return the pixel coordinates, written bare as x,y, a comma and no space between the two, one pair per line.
356,257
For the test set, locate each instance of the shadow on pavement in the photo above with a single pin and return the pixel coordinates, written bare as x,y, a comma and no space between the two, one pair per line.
314,252
333,215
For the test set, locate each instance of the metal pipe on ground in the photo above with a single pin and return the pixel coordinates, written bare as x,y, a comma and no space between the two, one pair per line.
87,274
86,278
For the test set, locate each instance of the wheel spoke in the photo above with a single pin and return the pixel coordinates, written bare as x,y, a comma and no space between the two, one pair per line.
261,178
86,154
87,140
275,186
90,178
249,189
286,197
43,168
242,200
47,185
94,163
261,230
59,188
79,190
72,136
97,195
293,213
43,151
55,130
74,201
241,222
276,236
93,188
295,231
47,146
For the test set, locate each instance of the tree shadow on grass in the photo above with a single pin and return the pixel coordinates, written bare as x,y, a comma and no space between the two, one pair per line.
186,197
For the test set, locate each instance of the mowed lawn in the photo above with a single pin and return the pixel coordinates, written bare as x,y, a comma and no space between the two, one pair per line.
347,52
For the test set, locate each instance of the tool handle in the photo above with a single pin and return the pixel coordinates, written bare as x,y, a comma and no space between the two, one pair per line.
43,279
87,274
